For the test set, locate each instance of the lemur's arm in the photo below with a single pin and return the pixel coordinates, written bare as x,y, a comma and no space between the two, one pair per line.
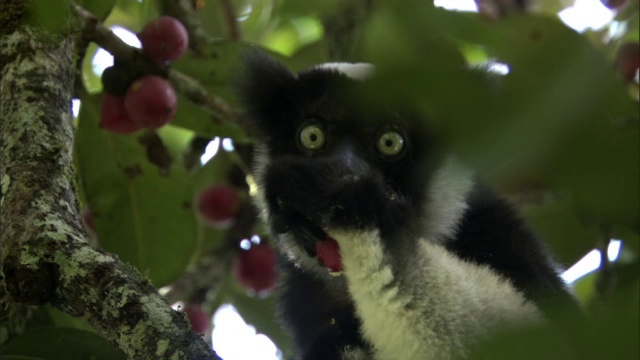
428,304
319,316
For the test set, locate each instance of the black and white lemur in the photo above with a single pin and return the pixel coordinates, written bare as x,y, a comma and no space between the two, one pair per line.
431,261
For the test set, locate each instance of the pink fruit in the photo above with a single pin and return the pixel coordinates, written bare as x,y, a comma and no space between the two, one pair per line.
256,268
151,102
87,218
200,320
628,60
114,116
164,39
328,252
218,205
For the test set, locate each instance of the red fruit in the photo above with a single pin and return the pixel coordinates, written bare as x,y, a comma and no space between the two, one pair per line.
200,320
114,116
328,252
256,268
164,39
218,205
87,218
151,102
628,60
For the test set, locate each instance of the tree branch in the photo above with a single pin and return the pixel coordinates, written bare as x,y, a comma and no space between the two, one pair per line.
13,316
44,253
231,19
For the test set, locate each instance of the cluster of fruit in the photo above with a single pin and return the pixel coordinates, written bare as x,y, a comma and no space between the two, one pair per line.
255,265
132,100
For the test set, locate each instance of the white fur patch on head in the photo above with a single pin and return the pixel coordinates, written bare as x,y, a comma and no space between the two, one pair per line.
355,71
447,199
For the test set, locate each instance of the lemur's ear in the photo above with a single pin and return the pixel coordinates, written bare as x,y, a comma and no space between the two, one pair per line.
265,87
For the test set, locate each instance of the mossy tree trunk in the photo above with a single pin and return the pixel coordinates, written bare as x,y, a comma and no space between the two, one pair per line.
44,252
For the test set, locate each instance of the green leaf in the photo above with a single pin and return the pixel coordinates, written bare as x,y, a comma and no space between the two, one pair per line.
53,16
630,238
198,119
296,8
59,343
558,224
256,18
585,288
216,69
212,21
216,66
575,107
601,337
527,344
49,316
139,194
133,14
99,8
91,81
561,111
308,55
60,319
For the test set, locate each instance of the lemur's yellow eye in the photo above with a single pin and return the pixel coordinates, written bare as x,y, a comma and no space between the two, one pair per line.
312,137
390,143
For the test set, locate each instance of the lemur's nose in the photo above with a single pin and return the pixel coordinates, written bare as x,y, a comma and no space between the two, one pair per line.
353,164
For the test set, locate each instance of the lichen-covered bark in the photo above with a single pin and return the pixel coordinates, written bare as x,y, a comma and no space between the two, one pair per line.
44,254
14,315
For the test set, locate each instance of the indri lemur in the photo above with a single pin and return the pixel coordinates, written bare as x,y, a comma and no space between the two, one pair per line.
432,260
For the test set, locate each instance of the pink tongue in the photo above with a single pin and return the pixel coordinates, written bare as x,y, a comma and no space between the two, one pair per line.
328,252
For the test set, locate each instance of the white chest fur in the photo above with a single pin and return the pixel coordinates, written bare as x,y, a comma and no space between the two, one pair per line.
454,303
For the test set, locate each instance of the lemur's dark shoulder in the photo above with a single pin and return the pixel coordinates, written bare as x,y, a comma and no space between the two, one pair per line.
493,233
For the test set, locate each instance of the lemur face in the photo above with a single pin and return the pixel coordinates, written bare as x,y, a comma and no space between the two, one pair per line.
330,158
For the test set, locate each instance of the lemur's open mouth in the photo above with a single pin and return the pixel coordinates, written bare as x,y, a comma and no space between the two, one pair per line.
312,239
308,235
328,252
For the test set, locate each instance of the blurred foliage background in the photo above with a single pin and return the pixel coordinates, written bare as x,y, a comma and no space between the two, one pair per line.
555,127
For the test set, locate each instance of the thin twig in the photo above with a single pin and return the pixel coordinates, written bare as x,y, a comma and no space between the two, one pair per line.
93,30
231,19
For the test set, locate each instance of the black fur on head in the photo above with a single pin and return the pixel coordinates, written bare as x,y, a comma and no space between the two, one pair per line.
264,87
